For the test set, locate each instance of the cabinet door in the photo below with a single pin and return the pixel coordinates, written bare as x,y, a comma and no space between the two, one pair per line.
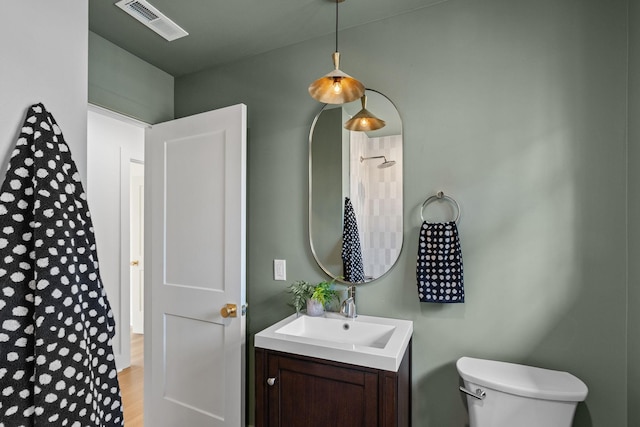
309,394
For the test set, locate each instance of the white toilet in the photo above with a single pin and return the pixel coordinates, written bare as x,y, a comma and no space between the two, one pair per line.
501,394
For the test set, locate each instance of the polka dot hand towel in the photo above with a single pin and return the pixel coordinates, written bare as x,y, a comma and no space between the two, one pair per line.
439,265
351,250
56,361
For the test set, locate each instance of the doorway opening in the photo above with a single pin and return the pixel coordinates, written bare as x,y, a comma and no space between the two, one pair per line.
132,378
136,245
115,189
198,261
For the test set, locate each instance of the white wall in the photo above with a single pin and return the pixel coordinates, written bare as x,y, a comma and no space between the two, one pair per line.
112,144
43,51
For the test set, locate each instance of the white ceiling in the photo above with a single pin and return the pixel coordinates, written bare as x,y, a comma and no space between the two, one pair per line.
225,31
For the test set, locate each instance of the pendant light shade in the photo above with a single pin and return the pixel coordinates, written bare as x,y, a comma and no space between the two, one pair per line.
337,87
364,120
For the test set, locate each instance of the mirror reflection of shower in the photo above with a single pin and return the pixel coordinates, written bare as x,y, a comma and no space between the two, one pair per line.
385,164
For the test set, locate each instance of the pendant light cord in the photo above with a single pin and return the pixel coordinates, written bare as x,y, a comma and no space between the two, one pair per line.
337,2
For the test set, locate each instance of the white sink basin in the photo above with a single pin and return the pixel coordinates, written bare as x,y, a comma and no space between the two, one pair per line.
340,330
375,342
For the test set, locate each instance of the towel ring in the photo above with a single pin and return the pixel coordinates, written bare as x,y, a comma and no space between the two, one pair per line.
439,196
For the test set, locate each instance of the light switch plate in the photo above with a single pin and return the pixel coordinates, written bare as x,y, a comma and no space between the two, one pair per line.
279,269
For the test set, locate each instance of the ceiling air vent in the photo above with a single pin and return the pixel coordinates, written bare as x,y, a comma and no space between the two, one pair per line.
144,12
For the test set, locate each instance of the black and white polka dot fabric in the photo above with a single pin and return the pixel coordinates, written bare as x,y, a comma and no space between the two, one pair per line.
353,268
56,362
439,265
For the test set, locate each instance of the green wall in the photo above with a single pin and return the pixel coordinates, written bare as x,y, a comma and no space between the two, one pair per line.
122,82
517,109
633,330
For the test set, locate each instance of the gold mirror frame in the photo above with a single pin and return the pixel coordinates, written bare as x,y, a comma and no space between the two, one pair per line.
336,155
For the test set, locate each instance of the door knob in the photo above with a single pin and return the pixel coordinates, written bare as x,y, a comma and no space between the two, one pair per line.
271,381
135,263
229,310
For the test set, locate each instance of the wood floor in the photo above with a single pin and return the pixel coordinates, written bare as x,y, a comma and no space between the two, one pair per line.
132,384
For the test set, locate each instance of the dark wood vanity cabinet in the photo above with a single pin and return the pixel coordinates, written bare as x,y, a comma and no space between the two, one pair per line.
300,391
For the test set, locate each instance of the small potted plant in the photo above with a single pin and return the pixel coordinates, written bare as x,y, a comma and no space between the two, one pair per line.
314,297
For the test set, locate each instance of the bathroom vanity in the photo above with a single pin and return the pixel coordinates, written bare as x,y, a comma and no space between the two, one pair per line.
333,371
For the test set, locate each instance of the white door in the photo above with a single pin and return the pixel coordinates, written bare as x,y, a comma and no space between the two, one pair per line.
195,170
136,220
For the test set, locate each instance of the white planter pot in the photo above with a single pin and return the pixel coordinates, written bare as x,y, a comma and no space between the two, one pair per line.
314,308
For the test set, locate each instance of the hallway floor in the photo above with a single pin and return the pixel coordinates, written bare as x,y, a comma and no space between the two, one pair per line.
132,384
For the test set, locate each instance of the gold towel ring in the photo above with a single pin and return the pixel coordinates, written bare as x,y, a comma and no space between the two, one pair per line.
439,196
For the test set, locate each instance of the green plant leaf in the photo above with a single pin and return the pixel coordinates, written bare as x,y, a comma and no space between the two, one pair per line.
324,293
301,291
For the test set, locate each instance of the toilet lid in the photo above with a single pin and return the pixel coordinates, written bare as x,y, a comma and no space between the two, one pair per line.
522,380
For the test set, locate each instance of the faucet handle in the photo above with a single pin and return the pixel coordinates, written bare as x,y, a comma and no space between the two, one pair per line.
351,308
348,307
343,306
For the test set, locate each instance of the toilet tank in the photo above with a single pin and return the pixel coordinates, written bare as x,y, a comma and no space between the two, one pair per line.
518,395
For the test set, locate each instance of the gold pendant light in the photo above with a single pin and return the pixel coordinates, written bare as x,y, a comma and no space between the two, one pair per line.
364,120
337,87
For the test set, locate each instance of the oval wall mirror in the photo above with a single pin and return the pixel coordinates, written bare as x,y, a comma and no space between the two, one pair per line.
356,182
